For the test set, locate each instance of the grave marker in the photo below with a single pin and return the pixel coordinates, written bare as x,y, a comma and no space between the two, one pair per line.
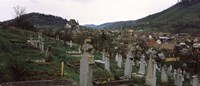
142,68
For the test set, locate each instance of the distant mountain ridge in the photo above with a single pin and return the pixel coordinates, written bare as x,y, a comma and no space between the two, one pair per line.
183,15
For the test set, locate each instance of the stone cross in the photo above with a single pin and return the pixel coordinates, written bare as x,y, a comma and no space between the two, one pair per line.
128,65
142,68
86,65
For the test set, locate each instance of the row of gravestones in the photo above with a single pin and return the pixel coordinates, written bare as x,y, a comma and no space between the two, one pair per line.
86,64
37,42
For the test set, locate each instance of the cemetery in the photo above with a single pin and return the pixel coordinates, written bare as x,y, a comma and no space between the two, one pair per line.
124,64
69,54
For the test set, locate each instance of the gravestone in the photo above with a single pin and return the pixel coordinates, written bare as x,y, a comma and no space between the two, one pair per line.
164,77
119,61
128,65
103,55
116,57
180,78
107,64
70,44
57,37
79,49
46,54
151,72
175,77
86,65
42,47
187,75
195,80
169,70
142,68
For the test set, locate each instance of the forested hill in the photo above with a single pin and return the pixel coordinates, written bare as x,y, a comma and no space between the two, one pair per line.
39,20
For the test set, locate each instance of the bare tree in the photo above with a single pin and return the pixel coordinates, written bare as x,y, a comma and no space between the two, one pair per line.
19,11
20,20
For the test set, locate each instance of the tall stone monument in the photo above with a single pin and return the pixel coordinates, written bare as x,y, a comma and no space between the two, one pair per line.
86,64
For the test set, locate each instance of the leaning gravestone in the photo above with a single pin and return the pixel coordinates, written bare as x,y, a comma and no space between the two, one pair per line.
142,68
46,54
128,65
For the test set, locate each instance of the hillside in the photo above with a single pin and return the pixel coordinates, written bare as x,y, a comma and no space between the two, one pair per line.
39,20
183,15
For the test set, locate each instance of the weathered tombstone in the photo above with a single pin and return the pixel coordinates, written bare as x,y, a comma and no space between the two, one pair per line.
119,61
116,57
86,64
195,80
57,37
103,55
107,64
175,77
42,47
79,49
70,44
128,65
142,68
164,78
137,62
179,78
169,71
151,72
187,75
46,54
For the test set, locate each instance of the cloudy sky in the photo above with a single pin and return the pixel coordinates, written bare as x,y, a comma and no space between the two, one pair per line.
88,11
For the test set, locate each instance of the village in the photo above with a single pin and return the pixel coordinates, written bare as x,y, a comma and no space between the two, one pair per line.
123,57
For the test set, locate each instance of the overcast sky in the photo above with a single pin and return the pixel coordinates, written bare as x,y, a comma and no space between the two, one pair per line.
88,11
